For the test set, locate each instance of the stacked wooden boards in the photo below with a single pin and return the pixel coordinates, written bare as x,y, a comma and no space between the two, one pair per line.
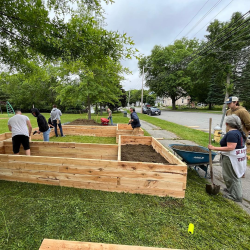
125,129
49,244
100,131
95,166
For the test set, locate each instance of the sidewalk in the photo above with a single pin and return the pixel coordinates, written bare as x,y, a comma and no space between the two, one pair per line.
166,138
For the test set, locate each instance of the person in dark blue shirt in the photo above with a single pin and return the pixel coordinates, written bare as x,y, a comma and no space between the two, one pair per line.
134,121
233,159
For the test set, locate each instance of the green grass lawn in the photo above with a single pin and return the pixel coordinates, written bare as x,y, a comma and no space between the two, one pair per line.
31,212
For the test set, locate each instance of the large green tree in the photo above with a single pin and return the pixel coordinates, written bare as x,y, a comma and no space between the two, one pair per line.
164,72
90,85
227,43
78,47
27,28
23,90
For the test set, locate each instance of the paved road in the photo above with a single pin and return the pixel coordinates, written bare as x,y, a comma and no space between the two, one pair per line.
194,120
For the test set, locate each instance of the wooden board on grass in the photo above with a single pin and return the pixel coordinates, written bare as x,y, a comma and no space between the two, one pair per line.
50,244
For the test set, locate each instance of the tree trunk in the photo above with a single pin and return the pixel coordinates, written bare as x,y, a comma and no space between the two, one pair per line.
101,108
210,106
173,103
226,94
96,108
89,109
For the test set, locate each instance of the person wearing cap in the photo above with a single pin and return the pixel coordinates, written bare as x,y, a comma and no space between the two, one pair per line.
235,108
134,121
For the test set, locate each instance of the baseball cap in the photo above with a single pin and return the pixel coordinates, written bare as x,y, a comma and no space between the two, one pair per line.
231,99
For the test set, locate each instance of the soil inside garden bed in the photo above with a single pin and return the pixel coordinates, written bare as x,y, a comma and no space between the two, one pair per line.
190,148
141,153
84,122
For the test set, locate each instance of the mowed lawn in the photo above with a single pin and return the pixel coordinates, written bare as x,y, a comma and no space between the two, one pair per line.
31,212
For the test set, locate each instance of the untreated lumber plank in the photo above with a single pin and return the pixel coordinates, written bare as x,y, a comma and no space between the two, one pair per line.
119,149
119,188
134,140
110,171
50,244
70,150
170,157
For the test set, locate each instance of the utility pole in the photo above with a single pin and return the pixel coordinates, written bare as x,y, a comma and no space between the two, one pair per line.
142,90
128,97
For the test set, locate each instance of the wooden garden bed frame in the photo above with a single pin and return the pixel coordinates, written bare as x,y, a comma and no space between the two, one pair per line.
100,131
49,244
94,166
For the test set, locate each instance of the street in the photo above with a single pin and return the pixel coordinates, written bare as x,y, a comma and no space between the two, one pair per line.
193,120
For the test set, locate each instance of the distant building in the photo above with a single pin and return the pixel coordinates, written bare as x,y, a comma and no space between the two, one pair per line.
167,101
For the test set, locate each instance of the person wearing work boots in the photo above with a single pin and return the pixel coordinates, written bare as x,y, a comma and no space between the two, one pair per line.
56,120
134,121
235,108
233,160
42,124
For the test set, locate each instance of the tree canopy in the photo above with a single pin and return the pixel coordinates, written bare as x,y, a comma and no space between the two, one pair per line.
164,75
60,52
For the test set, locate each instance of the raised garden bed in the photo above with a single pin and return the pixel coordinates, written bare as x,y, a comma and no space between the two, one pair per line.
87,130
95,166
125,129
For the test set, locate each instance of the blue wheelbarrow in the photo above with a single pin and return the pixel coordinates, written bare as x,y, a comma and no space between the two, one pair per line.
192,158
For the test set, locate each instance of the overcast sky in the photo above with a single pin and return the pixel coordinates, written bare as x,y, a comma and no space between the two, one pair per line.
160,22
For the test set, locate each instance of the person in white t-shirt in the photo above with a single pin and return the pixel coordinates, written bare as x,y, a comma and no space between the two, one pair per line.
21,129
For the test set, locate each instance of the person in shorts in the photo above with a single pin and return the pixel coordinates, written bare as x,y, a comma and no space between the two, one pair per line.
21,129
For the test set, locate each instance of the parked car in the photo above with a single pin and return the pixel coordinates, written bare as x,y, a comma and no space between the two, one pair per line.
144,110
153,111
201,104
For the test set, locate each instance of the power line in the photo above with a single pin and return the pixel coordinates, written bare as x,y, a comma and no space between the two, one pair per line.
203,17
191,20
223,35
213,18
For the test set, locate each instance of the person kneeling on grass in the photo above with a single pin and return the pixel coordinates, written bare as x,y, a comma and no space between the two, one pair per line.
233,157
42,124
